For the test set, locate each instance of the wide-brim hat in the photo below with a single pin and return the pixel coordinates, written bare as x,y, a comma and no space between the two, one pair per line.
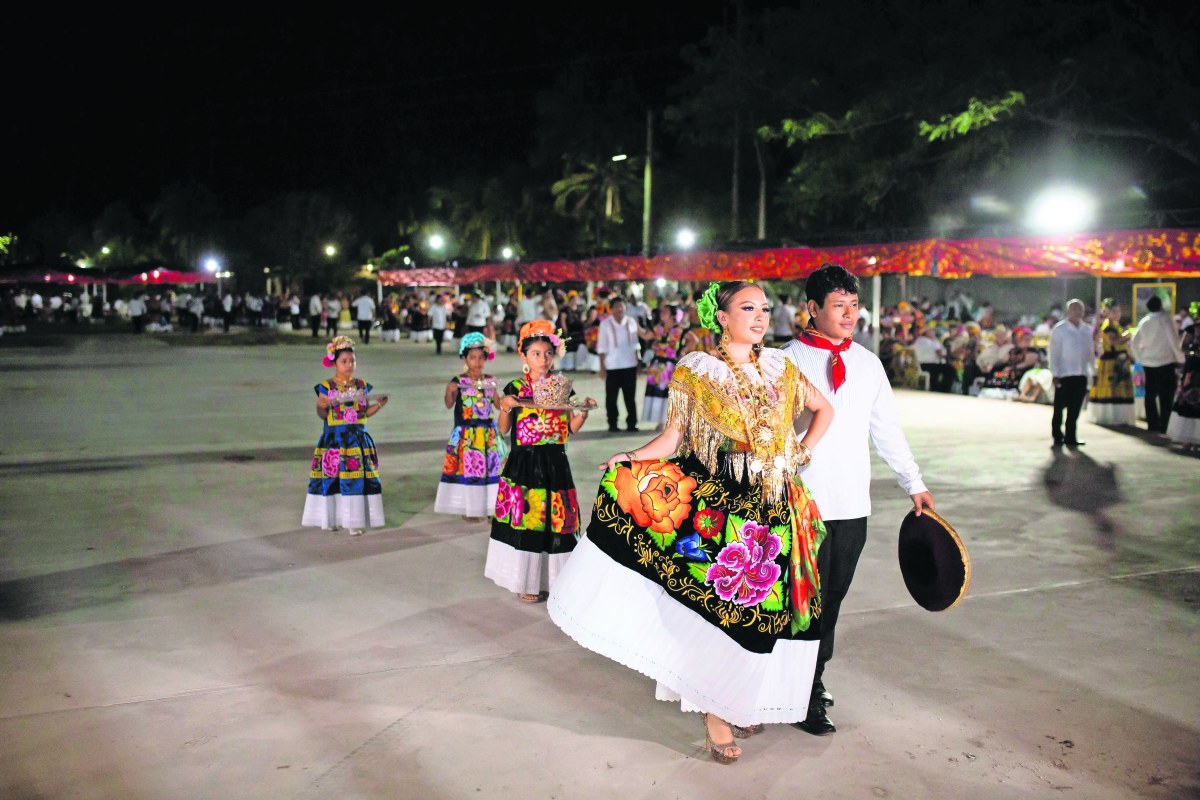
933,561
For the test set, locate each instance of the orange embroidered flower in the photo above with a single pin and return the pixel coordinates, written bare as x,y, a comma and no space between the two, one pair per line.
656,493
450,465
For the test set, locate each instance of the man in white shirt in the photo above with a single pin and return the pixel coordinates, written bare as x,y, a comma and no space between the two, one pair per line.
314,314
439,315
619,347
1156,346
528,309
478,313
931,355
137,313
364,315
334,308
1072,363
783,316
839,476
227,310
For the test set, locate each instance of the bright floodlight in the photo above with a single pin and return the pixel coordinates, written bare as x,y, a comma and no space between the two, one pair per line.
1061,209
685,238
105,250
436,241
330,249
507,252
661,282
621,157
211,265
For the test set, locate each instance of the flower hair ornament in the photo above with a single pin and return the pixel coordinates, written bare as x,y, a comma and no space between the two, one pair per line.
706,307
541,329
473,340
338,343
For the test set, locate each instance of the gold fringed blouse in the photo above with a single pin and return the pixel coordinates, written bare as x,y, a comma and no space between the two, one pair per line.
755,432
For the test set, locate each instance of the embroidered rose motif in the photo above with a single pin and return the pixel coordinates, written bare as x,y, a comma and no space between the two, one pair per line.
450,465
493,463
351,416
510,505
745,571
708,522
474,464
656,493
542,429
331,463
352,464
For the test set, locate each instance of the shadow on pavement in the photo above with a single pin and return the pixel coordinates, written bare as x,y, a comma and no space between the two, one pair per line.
1074,481
209,565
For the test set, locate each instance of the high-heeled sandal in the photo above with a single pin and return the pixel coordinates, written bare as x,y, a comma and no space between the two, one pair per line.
745,733
717,751
529,598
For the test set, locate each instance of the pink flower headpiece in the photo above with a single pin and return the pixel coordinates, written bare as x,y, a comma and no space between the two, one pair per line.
338,343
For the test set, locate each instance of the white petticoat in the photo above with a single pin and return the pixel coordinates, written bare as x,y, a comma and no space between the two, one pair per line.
654,409
466,501
338,511
1183,430
623,616
1111,414
521,571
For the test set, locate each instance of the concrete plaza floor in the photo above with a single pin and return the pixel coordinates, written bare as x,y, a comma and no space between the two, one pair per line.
167,630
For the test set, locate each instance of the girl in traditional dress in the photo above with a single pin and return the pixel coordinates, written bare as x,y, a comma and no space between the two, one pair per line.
1110,401
536,518
1184,426
665,338
701,571
475,453
343,481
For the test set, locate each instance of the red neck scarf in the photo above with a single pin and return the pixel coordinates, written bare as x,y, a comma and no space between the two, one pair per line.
837,365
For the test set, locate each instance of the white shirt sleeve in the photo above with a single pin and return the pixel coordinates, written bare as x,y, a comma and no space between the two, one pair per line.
1056,345
890,442
604,339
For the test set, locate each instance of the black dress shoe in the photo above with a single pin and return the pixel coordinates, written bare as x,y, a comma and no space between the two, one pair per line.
819,692
634,429
612,429
817,723
1076,443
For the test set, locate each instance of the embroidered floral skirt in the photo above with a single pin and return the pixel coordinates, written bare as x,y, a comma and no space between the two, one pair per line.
536,519
658,378
1184,424
696,581
471,470
343,481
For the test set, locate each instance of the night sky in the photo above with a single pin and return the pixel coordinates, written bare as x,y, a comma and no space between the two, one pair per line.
112,107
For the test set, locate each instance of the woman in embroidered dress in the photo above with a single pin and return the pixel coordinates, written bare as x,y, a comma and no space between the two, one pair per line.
666,337
1184,425
536,519
1110,401
343,481
700,571
475,452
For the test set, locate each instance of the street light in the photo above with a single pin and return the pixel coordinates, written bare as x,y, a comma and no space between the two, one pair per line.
330,250
1061,209
661,282
621,157
211,265
507,252
685,238
436,241
105,250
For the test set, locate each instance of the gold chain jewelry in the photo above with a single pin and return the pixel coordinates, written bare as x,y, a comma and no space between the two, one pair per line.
769,453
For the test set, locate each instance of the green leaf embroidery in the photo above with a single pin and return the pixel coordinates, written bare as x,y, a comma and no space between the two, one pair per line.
700,506
663,540
784,532
699,571
774,601
608,483
733,527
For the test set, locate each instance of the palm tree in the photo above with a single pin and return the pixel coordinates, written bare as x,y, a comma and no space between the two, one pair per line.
595,182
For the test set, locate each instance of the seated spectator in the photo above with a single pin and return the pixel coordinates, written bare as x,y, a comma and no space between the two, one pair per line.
994,352
1021,358
931,356
1037,385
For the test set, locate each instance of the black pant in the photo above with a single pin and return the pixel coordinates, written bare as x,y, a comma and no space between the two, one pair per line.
474,329
623,381
438,335
1069,395
315,323
837,559
1160,394
364,329
228,318
296,322
331,325
139,323
941,376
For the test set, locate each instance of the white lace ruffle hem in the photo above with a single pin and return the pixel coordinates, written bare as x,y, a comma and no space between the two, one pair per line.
339,511
521,571
623,616
466,501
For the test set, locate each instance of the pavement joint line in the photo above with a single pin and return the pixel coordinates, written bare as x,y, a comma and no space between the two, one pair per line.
232,687
1043,588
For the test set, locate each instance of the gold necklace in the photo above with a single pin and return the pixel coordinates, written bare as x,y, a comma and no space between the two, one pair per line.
763,445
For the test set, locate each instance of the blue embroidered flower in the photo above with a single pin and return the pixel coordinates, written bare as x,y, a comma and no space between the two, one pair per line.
689,547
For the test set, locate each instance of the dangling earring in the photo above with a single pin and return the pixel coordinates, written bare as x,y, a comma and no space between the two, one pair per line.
725,337
525,368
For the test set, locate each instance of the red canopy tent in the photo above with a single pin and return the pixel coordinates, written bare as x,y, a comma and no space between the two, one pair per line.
158,276
1125,254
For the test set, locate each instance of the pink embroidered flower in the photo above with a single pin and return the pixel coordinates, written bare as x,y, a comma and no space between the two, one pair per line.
509,503
745,571
352,464
331,463
351,416
474,464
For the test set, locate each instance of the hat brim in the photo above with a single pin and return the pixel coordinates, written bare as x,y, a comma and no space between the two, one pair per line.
933,560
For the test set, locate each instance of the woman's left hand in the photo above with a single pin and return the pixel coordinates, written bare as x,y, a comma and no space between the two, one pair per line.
381,402
612,462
